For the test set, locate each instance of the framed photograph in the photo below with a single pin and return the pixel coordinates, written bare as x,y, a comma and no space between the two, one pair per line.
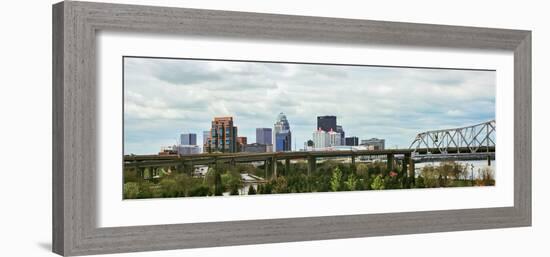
182,128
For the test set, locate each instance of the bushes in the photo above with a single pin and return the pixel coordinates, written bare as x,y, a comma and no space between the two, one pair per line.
329,176
487,177
335,180
200,190
251,190
131,190
351,183
378,183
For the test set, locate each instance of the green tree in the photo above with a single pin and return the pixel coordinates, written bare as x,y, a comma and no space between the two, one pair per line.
131,190
199,190
335,180
420,182
218,187
351,183
130,175
268,188
145,190
280,185
234,190
362,170
378,183
260,189
169,187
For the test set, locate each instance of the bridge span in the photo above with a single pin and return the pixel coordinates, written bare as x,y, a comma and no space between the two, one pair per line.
393,157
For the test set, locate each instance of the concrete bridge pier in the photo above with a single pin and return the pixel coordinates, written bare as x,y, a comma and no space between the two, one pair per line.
488,160
412,171
140,172
311,164
266,167
273,168
389,161
287,166
404,171
152,171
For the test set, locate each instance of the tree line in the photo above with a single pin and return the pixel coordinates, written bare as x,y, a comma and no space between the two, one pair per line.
329,176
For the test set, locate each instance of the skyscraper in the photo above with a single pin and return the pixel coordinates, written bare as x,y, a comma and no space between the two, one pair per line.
188,139
223,136
283,141
205,137
263,136
340,130
320,139
334,138
326,123
282,134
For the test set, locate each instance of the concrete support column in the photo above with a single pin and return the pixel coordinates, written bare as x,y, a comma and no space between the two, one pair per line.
405,171
140,172
266,167
389,161
311,165
287,166
412,171
274,167
488,160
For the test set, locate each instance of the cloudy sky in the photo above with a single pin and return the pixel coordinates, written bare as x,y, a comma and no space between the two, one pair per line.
166,97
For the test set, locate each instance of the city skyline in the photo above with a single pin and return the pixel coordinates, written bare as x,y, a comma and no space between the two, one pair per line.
165,98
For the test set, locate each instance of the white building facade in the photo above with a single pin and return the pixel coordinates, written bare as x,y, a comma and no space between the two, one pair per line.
320,139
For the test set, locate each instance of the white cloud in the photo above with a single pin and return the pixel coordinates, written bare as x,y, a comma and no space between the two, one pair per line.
164,97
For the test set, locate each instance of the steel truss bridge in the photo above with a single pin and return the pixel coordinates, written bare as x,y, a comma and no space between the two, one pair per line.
471,140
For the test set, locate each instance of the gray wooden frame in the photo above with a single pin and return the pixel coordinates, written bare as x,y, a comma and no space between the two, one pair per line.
74,126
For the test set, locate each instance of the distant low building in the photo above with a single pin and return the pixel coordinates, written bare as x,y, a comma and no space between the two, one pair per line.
374,143
200,171
187,149
257,148
241,142
168,150
336,148
352,141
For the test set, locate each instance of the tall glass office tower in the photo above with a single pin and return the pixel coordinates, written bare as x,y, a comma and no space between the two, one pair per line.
282,134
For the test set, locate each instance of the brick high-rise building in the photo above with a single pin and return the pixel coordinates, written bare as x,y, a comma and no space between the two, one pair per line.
223,136
241,142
